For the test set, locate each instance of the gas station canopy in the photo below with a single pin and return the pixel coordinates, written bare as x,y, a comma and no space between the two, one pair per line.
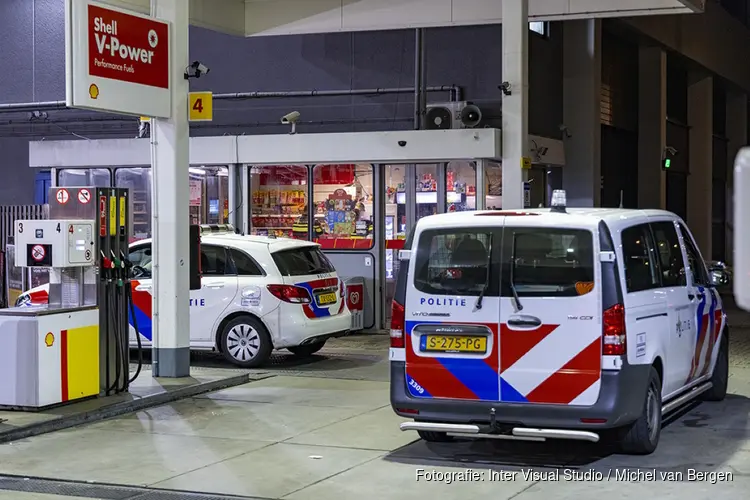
286,17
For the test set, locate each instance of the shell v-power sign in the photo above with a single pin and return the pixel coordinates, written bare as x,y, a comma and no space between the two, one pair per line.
116,60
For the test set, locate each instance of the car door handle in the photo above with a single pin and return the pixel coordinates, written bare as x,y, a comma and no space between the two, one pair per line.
214,286
143,288
524,321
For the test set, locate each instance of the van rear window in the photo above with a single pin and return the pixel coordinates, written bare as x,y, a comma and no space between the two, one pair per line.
547,262
454,262
302,261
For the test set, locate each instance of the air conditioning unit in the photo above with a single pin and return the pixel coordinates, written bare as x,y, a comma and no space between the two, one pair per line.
449,115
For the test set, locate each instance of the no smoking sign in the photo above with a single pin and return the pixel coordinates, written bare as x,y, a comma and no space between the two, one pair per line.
38,253
84,196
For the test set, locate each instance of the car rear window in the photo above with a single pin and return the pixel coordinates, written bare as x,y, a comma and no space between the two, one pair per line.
302,261
547,262
454,261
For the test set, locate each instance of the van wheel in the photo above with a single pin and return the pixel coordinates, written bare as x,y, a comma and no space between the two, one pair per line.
642,437
245,342
435,437
306,350
720,376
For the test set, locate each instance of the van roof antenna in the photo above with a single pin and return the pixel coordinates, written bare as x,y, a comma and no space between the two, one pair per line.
621,191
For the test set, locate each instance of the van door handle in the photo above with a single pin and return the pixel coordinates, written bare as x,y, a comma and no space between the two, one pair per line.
525,321
143,288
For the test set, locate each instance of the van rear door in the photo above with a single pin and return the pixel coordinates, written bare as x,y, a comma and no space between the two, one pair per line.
550,315
452,313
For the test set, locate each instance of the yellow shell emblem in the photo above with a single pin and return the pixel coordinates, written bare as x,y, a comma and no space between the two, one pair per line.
93,91
49,339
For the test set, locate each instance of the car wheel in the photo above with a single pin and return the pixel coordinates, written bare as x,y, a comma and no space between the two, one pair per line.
642,436
306,350
720,376
435,437
245,342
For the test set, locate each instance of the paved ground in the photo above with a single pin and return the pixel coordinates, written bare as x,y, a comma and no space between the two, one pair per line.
324,429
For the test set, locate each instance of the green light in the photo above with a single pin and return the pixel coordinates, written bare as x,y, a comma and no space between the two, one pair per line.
667,163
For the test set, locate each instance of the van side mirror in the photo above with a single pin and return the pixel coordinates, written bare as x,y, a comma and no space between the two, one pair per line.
718,274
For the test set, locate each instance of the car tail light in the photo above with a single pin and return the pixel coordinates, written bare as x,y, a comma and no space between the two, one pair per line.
398,323
290,293
613,331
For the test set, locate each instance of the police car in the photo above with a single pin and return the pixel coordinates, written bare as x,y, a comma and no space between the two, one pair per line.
258,294
584,324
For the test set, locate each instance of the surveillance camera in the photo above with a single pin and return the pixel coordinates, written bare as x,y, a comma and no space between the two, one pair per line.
196,70
292,117
672,151
505,87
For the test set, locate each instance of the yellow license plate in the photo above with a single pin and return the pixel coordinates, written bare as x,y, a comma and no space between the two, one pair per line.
453,343
326,298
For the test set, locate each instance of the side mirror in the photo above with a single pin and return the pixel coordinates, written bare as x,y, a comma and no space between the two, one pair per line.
718,273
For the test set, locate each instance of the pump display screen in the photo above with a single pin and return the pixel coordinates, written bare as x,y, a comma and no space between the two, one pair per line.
38,255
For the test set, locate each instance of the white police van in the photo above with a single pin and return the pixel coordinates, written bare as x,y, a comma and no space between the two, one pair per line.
258,294
554,323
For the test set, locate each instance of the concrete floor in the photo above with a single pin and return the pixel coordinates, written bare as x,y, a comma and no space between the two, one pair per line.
325,430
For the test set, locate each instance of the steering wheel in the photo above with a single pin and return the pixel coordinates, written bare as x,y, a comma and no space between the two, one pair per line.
140,272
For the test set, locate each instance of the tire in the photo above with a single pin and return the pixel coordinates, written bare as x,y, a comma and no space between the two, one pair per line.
642,436
720,376
435,437
303,351
245,342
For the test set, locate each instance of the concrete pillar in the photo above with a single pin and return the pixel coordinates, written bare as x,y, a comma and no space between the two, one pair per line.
652,127
700,120
737,136
515,121
171,198
582,80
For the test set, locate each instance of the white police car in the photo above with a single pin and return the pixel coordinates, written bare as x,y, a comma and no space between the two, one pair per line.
258,294
554,324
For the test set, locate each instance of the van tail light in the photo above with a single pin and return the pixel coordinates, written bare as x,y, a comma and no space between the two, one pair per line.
398,324
290,293
613,331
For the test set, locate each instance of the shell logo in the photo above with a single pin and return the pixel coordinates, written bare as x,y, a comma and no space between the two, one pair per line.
93,91
49,339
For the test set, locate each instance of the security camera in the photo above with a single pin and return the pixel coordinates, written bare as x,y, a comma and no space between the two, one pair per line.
505,87
291,119
196,70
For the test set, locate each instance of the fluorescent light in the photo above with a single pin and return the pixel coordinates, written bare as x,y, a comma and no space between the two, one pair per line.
197,171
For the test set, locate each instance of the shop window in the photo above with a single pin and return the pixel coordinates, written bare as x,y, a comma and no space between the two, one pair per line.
279,201
461,186
343,206
209,195
80,177
138,181
493,179
426,196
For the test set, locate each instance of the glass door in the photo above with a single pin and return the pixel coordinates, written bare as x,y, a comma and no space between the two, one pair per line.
411,192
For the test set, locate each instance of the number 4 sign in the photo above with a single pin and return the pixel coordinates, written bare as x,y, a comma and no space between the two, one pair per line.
201,107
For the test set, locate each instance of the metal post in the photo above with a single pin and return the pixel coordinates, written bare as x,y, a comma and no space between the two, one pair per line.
481,190
171,197
515,99
232,195
245,199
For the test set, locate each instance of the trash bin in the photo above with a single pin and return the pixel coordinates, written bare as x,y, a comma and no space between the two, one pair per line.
355,301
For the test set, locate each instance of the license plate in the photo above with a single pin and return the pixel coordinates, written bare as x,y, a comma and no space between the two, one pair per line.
326,298
454,343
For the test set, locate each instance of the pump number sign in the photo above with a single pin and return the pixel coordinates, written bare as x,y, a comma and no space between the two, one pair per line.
116,60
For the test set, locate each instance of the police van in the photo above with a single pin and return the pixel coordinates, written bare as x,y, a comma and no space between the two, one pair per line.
584,324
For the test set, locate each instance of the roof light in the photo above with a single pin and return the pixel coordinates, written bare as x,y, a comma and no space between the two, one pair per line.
558,200
217,229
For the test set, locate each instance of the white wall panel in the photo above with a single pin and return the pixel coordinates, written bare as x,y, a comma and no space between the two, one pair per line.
385,14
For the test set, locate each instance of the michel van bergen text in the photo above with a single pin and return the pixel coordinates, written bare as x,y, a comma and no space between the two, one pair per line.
619,474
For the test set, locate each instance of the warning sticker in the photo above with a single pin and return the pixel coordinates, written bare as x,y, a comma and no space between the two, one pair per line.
38,253
62,196
84,196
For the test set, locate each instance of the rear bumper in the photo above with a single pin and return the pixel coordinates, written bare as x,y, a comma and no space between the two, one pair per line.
620,402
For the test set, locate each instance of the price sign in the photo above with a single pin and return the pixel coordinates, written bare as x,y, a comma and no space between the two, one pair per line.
201,107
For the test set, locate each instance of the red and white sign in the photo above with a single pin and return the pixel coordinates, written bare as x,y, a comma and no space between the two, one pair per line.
37,253
355,297
116,60
62,196
84,196
102,216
